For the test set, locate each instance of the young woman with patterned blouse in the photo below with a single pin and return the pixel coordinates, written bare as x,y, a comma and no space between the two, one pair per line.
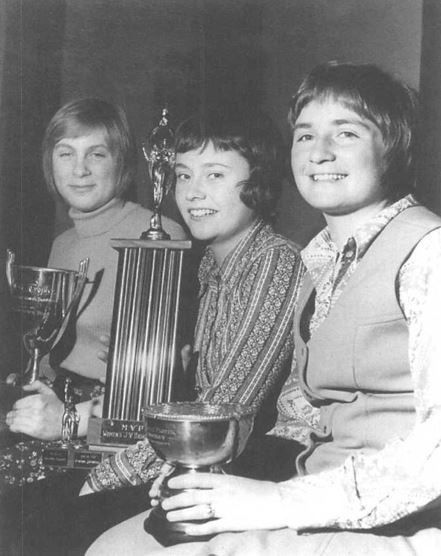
228,180
367,345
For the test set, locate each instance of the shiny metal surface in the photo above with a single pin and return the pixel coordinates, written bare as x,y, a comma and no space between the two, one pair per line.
197,434
42,300
142,356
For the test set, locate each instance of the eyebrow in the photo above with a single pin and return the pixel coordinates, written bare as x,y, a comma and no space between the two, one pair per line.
101,145
339,122
206,165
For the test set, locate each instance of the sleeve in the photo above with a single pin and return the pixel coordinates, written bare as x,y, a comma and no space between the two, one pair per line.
403,478
257,336
132,466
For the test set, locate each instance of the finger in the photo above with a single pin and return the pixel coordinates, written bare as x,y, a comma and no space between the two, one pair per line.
12,378
187,499
38,387
199,512
27,403
165,471
198,480
23,423
105,339
210,527
102,356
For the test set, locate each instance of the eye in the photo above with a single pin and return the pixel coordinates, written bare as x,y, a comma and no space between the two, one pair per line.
346,134
215,175
98,154
303,138
182,176
63,154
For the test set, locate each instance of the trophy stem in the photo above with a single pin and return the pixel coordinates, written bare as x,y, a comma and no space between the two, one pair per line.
155,231
32,371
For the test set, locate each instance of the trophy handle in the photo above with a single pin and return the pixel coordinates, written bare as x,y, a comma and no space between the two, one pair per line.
79,285
10,261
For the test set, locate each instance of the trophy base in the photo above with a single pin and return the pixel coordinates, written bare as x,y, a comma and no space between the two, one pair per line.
155,234
170,533
72,457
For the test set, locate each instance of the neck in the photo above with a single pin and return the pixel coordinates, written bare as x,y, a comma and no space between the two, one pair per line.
223,249
343,226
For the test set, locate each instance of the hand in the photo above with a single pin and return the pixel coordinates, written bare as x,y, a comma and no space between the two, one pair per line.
236,503
103,355
12,379
155,489
38,415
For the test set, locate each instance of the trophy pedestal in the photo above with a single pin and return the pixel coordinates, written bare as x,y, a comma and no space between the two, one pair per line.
72,457
170,533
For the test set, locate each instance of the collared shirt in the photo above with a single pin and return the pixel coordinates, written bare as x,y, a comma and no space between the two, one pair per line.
372,490
244,337
243,333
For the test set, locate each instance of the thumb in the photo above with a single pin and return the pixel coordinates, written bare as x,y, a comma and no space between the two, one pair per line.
38,387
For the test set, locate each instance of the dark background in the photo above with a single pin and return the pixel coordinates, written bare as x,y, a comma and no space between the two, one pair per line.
143,53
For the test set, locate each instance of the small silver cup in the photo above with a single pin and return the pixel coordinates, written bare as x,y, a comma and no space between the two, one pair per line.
42,300
193,437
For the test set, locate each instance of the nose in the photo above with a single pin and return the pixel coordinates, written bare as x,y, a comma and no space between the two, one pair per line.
196,189
321,150
81,168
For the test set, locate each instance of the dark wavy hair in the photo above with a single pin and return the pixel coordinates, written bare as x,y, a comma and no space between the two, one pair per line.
81,116
250,133
380,97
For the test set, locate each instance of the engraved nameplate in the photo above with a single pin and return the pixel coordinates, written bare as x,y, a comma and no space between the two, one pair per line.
117,431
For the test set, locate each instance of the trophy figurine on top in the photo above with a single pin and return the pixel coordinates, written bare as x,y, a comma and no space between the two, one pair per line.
160,156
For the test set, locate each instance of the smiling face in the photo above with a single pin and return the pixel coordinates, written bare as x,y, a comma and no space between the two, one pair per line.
208,197
85,170
338,160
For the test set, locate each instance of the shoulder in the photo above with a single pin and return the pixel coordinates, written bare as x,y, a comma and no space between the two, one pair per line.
270,244
427,252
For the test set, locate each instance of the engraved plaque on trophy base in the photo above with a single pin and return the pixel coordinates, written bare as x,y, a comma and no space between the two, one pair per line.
114,432
78,457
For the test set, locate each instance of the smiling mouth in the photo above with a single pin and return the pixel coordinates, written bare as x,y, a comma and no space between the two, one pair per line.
328,177
199,213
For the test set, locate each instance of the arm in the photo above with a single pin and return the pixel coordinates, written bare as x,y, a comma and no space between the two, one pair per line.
371,491
134,465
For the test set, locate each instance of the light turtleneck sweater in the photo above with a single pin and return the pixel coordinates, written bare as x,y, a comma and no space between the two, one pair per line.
90,237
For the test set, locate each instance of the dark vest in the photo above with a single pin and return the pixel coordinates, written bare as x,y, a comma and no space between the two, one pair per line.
356,365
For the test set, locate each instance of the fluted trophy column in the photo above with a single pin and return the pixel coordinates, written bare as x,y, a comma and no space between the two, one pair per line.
143,354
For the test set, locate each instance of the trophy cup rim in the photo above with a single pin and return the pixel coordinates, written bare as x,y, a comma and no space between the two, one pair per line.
196,411
44,269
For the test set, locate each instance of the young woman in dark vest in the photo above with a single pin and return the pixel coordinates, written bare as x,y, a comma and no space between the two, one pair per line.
367,350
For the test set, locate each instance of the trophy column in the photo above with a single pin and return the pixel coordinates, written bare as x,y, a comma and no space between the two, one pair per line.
142,355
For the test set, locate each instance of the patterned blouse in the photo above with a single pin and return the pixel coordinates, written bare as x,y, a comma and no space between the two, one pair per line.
372,490
243,336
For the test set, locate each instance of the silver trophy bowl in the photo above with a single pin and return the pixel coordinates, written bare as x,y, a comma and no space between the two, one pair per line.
193,437
42,300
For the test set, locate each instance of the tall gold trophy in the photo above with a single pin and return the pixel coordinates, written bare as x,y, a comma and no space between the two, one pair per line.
143,353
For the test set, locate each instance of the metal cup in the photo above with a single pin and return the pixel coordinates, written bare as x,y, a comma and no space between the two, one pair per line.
42,299
193,437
